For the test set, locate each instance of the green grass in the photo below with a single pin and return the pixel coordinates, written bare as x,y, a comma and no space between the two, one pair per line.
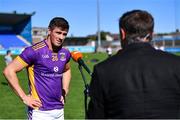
11,106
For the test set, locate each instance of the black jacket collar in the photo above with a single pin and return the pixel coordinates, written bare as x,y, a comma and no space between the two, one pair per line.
137,46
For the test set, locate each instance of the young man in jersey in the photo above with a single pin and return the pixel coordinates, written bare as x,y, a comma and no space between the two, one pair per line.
49,74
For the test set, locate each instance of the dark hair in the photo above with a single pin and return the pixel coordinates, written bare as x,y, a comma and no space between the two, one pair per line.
137,24
8,51
59,22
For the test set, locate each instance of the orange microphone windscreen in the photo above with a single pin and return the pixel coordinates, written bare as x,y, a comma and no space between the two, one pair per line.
76,55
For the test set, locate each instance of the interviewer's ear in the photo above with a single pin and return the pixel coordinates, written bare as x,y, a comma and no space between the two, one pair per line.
150,36
123,34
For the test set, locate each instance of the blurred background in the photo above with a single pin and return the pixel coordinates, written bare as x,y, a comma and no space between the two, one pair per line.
93,30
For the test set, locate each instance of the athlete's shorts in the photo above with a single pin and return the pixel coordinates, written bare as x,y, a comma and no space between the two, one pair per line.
48,115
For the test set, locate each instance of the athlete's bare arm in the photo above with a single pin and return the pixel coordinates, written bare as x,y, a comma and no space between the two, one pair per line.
11,76
66,78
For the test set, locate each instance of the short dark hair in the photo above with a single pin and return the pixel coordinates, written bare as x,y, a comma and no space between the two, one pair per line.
59,22
8,51
137,24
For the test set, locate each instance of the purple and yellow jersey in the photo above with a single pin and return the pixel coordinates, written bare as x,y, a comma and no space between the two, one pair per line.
45,70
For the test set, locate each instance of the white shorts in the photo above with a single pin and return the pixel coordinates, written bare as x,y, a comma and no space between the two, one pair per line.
48,115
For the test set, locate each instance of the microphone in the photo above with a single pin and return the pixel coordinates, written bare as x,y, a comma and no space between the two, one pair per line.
77,57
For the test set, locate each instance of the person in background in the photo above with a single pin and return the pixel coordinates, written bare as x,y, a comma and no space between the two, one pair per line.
139,81
49,73
109,51
8,57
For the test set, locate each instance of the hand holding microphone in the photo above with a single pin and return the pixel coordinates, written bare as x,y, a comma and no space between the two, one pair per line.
77,57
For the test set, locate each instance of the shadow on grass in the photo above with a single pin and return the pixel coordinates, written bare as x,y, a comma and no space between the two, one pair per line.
4,83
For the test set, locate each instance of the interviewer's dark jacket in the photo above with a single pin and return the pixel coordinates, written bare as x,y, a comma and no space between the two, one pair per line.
138,82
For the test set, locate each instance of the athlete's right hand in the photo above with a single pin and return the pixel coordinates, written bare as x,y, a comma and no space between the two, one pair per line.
31,102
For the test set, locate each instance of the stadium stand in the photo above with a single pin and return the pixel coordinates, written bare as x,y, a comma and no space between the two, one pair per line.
9,41
15,32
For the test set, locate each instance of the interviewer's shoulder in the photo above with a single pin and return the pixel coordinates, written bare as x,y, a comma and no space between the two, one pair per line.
108,62
169,55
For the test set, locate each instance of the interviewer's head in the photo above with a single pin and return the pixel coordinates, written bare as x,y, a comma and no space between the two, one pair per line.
136,26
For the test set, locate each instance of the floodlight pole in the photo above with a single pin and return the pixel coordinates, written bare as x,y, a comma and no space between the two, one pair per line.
175,13
98,25
175,18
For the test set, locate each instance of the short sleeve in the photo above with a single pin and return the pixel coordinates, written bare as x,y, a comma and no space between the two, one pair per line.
68,54
28,56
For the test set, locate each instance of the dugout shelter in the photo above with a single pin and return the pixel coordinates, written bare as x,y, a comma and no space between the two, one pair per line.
15,31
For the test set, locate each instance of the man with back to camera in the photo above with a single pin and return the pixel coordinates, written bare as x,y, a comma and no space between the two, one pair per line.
139,81
49,74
